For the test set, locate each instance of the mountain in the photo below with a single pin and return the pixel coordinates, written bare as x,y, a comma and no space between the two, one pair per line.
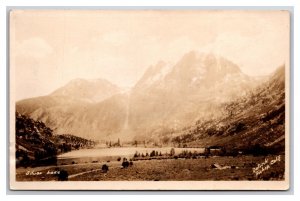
64,109
103,120
254,121
87,90
173,96
192,70
167,97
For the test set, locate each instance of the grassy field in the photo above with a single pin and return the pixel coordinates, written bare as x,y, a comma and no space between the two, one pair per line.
200,169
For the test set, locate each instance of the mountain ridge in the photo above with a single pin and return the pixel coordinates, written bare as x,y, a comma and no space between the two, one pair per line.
90,90
195,87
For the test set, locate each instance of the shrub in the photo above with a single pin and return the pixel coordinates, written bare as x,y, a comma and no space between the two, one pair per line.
104,168
152,154
172,152
125,164
119,159
63,176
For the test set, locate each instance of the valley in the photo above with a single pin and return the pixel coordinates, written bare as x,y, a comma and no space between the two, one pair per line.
201,118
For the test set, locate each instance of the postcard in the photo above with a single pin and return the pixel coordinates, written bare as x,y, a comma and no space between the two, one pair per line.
149,99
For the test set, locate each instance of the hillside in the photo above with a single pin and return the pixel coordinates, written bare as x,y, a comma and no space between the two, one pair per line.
255,120
36,144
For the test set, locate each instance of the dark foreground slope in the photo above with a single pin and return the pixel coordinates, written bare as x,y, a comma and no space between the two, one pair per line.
254,123
36,145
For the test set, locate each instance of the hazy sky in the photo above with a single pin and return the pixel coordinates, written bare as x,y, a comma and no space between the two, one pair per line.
50,48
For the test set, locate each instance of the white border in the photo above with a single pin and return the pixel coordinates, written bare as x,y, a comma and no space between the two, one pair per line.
140,185
3,152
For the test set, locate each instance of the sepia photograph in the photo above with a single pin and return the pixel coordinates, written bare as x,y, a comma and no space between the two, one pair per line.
149,99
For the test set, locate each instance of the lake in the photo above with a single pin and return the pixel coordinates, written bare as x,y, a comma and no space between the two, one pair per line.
105,154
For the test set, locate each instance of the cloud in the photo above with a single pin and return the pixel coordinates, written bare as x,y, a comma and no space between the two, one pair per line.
34,47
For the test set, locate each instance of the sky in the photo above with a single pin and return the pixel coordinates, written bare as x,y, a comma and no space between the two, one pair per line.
49,48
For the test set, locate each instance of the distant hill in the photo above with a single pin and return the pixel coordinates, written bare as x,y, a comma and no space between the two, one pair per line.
65,109
94,90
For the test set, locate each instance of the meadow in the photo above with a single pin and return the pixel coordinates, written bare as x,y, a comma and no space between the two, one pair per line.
244,167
